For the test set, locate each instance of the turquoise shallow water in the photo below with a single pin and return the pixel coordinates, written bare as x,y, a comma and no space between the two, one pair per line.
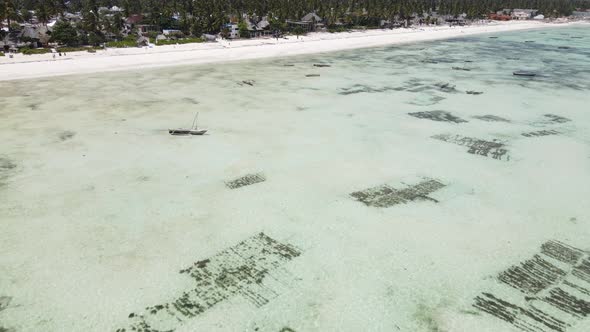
397,189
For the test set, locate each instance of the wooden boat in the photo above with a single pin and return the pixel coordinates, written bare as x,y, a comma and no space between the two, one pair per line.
524,73
185,132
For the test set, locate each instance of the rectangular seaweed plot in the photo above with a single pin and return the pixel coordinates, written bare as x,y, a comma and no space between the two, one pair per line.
564,290
245,181
250,269
385,196
556,118
532,276
494,149
442,116
491,118
525,319
541,133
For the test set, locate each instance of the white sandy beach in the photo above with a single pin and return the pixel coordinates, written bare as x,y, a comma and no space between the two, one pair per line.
32,66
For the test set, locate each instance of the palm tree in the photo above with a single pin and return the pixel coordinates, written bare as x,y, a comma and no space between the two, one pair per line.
8,12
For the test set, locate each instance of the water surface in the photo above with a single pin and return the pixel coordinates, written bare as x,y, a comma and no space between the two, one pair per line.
389,193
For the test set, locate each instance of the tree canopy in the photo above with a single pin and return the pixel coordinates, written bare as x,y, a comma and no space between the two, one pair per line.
208,16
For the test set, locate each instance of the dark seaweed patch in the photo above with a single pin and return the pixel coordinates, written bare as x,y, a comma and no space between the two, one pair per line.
247,82
386,196
532,276
361,88
579,288
249,269
445,87
582,271
66,135
416,85
491,118
562,252
529,320
566,302
557,118
442,116
245,181
494,149
540,133
543,281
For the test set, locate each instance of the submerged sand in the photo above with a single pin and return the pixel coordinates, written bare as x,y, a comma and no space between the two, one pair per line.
377,196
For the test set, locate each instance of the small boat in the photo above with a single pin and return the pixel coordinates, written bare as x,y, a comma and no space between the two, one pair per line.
524,73
461,68
186,132
321,65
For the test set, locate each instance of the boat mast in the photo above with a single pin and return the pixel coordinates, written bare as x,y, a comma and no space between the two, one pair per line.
194,127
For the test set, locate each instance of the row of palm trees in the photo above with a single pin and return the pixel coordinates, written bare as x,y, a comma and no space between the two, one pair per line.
209,15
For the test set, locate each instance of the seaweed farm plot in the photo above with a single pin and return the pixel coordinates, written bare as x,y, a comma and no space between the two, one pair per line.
494,149
385,196
442,116
556,118
541,133
550,119
490,118
551,291
251,269
246,180
361,88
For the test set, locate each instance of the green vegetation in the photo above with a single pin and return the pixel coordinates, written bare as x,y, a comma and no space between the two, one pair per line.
298,31
64,33
180,41
243,30
78,49
30,51
193,18
336,28
1,53
129,41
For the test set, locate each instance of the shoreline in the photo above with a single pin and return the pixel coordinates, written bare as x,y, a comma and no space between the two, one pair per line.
43,65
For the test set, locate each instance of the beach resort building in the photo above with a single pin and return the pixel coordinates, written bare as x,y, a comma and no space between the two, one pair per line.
310,22
524,14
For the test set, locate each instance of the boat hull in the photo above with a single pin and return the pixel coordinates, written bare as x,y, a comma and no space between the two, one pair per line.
186,132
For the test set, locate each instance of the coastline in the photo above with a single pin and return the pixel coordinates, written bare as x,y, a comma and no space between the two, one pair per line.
43,65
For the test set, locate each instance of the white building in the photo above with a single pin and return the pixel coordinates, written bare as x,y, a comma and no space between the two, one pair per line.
523,14
233,30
